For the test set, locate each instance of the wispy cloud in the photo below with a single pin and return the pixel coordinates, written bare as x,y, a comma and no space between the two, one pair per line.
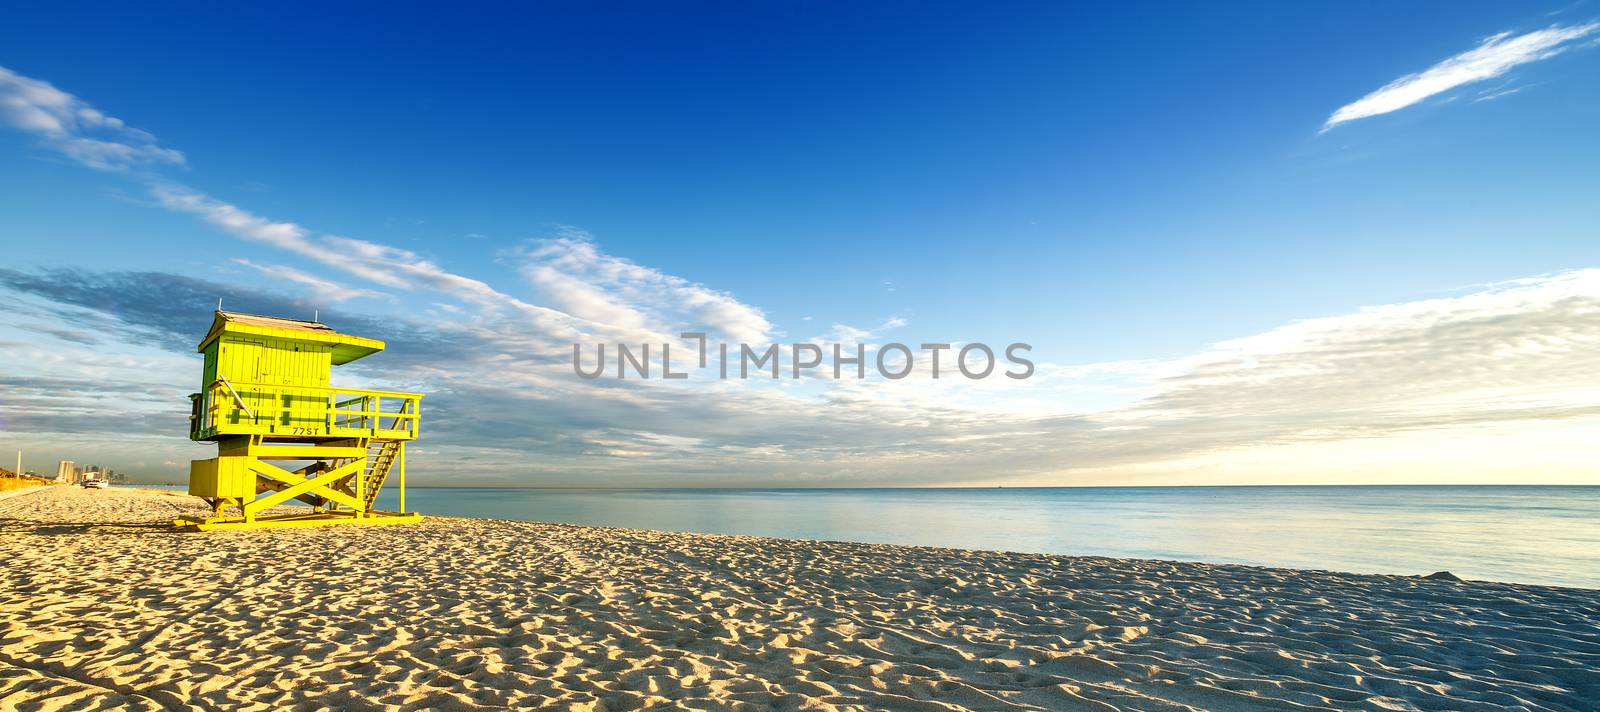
848,335
574,275
324,290
381,264
1518,355
234,220
75,129
1496,93
1492,58
590,292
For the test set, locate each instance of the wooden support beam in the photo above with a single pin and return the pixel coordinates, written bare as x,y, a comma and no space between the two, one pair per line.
319,485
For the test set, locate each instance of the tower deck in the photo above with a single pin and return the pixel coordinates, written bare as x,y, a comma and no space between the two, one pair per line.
305,411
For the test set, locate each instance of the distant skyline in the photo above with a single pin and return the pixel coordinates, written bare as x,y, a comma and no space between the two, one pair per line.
1249,244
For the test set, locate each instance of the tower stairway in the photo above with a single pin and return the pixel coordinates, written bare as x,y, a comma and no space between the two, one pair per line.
381,456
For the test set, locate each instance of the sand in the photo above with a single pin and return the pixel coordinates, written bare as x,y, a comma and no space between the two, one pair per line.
104,606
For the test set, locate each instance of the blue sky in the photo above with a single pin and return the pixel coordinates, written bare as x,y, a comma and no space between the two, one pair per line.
1123,188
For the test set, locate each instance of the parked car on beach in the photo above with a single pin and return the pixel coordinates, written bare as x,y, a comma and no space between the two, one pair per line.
95,484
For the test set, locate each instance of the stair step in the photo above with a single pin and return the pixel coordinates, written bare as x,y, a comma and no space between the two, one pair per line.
380,460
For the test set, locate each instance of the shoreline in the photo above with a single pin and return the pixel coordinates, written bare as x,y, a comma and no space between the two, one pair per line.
104,606
1265,566
1361,530
931,488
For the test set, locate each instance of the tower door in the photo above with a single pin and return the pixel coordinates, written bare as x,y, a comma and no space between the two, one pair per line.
239,361
296,371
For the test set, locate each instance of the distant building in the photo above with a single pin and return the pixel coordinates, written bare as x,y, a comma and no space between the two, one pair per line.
71,473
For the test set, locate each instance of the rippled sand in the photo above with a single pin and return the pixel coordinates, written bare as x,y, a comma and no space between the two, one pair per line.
104,606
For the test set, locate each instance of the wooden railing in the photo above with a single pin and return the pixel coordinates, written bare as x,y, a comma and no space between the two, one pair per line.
228,407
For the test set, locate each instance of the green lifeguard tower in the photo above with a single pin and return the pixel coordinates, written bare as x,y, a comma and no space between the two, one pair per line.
266,397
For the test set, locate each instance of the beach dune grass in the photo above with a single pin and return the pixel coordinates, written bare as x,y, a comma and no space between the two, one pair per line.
104,606
10,482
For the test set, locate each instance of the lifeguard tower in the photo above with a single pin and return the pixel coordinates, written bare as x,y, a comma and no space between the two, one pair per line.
266,398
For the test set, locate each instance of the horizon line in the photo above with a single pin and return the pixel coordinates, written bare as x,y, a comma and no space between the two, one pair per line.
972,487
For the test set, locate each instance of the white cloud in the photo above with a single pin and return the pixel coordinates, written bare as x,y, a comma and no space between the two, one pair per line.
1494,57
848,335
382,264
1492,94
573,274
232,219
1437,362
1516,357
325,290
597,297
75,129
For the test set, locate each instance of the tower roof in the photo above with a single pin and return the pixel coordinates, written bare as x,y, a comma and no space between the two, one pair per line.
346,348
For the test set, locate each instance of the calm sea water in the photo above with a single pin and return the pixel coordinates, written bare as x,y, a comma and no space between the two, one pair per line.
1547,535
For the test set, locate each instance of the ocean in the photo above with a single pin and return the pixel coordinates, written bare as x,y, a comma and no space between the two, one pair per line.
1542,535
1520,534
